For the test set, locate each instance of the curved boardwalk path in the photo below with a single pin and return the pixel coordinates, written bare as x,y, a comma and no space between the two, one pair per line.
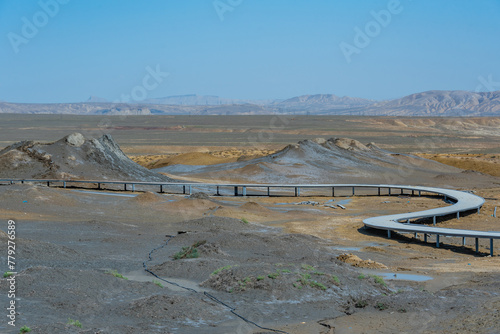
463,201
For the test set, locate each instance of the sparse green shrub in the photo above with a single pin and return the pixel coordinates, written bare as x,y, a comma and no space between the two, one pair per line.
335,280
379,280
361,303
361,276
116,274
317,285
319,273
244,220
307,267
305,276
190,252
221,269
158,283
7,274
381,306
273,275
24,329
284,271
74,323
260,278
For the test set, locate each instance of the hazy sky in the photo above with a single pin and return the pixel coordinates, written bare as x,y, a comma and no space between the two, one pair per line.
67,50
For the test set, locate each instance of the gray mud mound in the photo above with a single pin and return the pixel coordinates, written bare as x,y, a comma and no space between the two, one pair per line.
147,198
334,160
241,261
72,157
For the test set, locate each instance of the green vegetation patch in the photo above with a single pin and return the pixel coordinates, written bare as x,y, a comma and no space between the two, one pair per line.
189,252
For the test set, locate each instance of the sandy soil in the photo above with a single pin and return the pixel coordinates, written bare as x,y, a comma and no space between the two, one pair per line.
484,163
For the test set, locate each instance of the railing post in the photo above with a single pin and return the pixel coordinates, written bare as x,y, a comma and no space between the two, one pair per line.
218,190
437,240
434,220
244,190
389,234
477,245
491,247
235,190
125,186
333,191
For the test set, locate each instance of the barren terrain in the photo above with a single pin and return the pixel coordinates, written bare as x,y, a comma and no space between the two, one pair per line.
294,264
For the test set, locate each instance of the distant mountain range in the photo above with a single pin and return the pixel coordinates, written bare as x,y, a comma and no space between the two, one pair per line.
430,103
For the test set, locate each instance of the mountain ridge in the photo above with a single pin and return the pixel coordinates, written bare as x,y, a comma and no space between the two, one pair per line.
447,103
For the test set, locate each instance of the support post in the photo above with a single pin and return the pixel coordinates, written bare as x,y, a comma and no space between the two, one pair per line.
244,189
477,245
64,184
437,240
268,191
434,220
133,187
379,191
413,192
491,247
463,241
401,191
161,188
425,237
458,215
184,189
353,191
407,221
333,191
389,234
389,191
416,235
236,191
494,212
419,193
98,186
125,186
189,190
218,191
48,183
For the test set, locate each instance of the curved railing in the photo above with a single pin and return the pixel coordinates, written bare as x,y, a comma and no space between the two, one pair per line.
464,201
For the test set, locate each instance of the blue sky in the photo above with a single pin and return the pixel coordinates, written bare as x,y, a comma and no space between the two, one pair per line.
248,49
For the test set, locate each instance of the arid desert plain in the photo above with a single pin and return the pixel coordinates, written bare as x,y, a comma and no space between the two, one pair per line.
250,263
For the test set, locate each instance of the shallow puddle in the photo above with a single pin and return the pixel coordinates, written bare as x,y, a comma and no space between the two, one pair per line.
400,276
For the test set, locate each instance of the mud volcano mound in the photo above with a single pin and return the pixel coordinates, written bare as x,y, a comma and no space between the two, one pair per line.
72,157
334,160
